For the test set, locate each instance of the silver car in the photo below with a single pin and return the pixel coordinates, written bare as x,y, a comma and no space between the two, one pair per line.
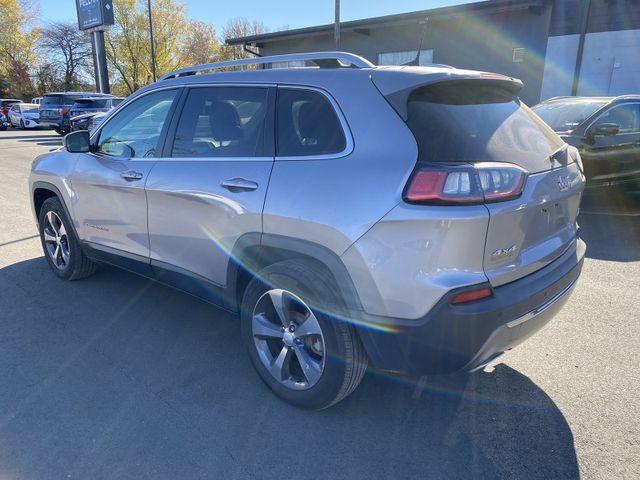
417,219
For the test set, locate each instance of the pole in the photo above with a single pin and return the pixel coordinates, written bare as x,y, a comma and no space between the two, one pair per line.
153,43
336,26
583,34
100,62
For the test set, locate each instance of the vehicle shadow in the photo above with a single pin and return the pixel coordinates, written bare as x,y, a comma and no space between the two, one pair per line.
45,141
117,376
611,237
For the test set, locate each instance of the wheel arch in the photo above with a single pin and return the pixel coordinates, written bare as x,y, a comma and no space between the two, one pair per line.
255,251
41,191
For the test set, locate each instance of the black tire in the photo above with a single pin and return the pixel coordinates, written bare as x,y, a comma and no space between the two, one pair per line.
345,358
78,265
22,125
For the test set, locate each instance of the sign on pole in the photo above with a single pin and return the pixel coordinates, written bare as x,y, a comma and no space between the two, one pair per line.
94,13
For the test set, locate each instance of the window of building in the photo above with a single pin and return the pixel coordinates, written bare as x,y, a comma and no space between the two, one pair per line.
307,124
292,64
401,58
222,122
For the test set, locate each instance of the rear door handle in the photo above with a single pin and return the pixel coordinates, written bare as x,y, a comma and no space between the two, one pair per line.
239,185
131,175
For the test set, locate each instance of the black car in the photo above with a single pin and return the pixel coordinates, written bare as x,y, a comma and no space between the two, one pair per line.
606,131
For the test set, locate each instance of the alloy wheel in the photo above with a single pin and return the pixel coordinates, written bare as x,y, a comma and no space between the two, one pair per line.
288,339
56,240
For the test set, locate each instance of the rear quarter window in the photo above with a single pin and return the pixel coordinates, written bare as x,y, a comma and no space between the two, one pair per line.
307,124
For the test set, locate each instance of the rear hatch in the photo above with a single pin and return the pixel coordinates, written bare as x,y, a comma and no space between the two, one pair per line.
483,139
55,106
89,105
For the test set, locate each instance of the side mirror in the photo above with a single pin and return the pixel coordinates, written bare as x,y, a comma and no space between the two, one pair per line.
605,129
77,142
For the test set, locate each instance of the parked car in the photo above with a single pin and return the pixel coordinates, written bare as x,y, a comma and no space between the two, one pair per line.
4,123
94,105
606,131
36,100
55,107
87,121
6,104
87,111
24,115
405,217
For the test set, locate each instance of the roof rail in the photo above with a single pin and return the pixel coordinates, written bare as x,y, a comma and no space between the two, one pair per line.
321,59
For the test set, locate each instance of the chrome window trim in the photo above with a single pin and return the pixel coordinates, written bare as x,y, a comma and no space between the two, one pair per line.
611,107
349,142
346,130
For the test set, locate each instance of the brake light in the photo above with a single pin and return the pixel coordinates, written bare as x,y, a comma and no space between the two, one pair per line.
471,296
465,184
63,111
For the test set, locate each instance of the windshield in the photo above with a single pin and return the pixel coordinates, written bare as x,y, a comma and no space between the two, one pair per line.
567,116
30,109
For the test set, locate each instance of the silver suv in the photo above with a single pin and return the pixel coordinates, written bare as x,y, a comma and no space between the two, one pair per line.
421,220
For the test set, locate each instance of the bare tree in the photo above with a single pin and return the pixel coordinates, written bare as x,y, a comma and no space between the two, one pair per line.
68,51
238,27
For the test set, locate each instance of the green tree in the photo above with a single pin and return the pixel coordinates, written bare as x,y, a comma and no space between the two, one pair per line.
17,47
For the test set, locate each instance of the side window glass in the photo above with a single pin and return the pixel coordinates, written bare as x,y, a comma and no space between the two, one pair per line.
627,117
307,124
222,122
135,131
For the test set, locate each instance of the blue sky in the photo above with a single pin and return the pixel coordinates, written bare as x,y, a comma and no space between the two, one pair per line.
275,14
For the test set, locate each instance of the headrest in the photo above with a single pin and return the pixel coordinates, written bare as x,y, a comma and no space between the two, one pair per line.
311,130
224,121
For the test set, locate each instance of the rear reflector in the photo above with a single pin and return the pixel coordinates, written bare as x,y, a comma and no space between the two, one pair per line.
465,184
472,296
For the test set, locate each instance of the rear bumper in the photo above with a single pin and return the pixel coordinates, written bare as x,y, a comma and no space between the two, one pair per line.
453,338
49,123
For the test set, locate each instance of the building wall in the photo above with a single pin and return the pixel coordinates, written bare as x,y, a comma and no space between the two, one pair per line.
546,39
479,41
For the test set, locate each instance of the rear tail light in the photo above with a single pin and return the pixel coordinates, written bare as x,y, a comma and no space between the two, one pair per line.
471,295
465,184
63,111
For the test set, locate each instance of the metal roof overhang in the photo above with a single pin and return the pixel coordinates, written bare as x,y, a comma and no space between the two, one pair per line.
386,21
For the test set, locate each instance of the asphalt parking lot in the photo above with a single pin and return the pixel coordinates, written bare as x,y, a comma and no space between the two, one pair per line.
118,377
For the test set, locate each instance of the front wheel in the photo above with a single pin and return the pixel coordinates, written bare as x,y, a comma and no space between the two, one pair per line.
22,124
309,356
60,244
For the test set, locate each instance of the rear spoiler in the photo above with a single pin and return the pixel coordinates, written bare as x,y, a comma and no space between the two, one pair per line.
396,86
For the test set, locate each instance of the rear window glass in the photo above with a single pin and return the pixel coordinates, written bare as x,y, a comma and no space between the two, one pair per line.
52,100
90,104
477,121
307,124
